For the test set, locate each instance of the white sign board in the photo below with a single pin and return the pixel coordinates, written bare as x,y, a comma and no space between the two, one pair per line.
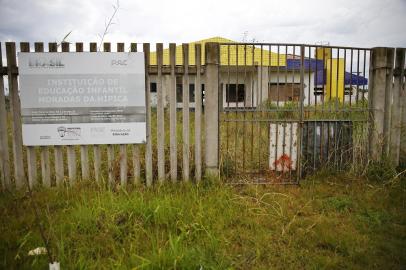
82,98
283,146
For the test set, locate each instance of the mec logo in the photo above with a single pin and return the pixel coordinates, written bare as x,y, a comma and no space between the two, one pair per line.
118,62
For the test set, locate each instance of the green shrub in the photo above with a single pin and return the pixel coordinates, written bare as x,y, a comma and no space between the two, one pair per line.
380,171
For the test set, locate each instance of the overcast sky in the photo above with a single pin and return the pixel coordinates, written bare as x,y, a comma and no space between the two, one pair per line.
364,23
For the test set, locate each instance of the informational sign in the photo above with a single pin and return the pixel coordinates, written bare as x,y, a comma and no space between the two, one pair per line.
82,98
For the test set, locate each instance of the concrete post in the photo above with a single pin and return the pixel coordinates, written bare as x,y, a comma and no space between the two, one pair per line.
402,88
397,107
211,110
380,87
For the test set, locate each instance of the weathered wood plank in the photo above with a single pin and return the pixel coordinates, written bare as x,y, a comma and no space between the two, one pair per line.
97,156
123,164
123,147
135,147
148,151
71,153
5,174
110,164
198,115
160,116
45,167
32,166
84,149
110,147
31,153
136,165
120,47
15,108
172,115
133,47
185,112
58,150
44,152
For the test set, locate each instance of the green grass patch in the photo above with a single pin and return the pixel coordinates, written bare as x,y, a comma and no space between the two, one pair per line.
328,222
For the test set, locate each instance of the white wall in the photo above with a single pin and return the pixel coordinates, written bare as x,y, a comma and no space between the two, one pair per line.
252,81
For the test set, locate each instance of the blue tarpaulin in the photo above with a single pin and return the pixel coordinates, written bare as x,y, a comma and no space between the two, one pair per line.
320,76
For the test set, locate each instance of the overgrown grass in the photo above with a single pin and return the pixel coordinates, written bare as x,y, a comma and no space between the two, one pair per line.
330,221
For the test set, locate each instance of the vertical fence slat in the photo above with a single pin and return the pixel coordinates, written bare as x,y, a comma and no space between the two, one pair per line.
31,153
110,164
198,114
123,164
136,165
4,152
396,121
120,47
136,148
97,162
45,167
301,115
15,108
160,116
211,108
84,149
123,147
172,115
58,150
185,112
110,147
32,166
71,154
388,103
133,47
402,154
380,93
96,148
44,152
148,151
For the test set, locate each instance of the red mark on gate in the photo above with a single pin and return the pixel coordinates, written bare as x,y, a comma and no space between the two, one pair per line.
285,161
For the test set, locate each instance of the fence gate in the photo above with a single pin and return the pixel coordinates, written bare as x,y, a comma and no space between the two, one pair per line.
291,109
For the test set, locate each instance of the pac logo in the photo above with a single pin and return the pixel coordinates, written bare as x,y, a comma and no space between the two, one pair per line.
118,62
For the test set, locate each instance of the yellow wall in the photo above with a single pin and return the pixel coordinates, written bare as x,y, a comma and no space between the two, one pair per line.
334,86
323,51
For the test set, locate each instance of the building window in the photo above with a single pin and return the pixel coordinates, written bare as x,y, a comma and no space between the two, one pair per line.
152,87
179,97
318,91
192,92
179,92
234,94
284,91
348,91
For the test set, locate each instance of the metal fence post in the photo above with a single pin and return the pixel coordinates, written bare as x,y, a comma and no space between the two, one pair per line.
380,87
211,110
